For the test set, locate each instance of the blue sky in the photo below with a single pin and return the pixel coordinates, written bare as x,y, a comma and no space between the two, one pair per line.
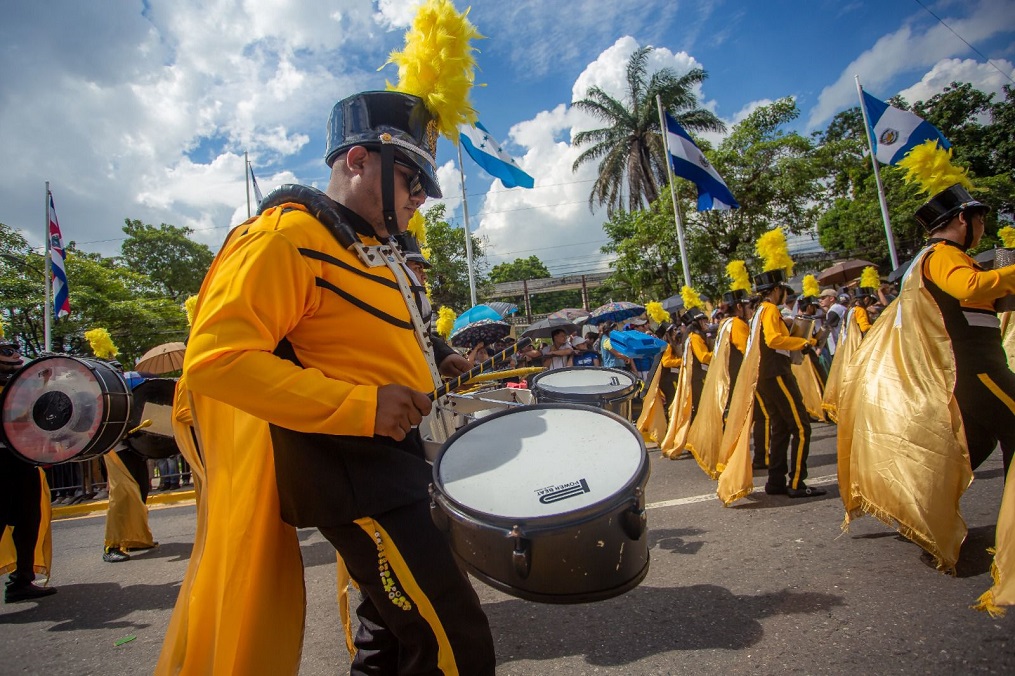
144,110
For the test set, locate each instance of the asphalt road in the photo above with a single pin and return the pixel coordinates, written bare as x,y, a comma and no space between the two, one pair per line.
769,586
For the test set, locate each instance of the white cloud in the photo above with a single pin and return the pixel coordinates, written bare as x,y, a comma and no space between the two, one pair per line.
396,13
982,76
909,49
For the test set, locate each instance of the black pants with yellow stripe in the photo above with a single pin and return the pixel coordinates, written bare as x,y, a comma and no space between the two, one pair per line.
420,614
762,432
790,430
986,399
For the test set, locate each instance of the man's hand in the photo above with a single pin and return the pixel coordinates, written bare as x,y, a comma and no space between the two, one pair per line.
399,409
454,365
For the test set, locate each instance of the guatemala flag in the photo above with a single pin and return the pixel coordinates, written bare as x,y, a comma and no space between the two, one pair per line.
61,295
689,162
482,148
895,132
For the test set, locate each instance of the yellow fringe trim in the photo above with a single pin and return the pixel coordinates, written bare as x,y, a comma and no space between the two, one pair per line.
714,475
832,411
905,530
737,496
986,601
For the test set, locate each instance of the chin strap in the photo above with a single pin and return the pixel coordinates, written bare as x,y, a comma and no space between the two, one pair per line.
388,188
967,243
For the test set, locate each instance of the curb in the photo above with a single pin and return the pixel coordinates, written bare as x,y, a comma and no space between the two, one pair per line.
67,511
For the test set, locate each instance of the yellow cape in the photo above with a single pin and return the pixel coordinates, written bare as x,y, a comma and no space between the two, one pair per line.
680,408
652,420
43,545
127,516
737,478
849,341
1008,335
706,429
902,449
809,381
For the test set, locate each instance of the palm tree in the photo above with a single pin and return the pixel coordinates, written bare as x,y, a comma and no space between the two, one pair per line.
630,148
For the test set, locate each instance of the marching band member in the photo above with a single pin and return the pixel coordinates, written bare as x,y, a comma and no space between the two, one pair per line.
908,457
696,357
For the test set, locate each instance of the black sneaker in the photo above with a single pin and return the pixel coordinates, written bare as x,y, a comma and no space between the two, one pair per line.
775,489
115,555
805,492
26,592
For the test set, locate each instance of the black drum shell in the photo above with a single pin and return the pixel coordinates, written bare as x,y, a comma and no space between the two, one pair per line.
116,407
581,556
618,401
153,443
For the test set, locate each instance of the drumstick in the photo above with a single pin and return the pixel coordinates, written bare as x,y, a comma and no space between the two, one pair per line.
488,365
144,424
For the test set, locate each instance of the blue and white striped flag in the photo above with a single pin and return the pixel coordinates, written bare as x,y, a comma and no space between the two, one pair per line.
61,294
896,132
487,153
253,181
690,163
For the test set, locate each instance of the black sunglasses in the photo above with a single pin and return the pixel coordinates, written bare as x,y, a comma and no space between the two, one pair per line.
415,180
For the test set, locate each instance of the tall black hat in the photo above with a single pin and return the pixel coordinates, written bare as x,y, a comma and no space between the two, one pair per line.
735,296
691,315
945,205
768,280
377,119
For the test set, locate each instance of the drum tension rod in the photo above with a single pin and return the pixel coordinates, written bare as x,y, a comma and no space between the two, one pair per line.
520,557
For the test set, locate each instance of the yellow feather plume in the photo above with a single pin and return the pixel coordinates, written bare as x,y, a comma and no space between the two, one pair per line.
417,228
811,287
1,330
657,313
445,321
930,166
772,248
101,343
1007,235
438,65
737,272
869,278
691,298
190,307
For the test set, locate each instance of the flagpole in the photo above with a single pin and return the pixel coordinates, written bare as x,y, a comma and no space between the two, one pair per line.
673,193
246,179
468,235
47,340
877,178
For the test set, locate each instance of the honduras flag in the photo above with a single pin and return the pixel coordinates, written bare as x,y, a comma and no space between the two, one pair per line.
689,162
895,132
61,295
482,148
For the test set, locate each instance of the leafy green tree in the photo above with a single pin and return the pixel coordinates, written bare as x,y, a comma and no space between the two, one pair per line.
172,261
449,276
630,149
524,269
22,289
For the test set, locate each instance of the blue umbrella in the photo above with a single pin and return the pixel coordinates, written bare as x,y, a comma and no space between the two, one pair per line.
474,314
615,312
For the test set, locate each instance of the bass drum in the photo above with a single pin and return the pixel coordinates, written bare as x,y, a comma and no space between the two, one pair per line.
60,409
546,502
153,401
610,389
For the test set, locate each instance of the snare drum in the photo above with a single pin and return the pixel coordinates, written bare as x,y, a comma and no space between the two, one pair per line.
153,400
609,389
546,502
59,409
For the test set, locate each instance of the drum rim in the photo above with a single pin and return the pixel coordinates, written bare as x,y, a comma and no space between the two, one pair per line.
548,522
88,452
622,393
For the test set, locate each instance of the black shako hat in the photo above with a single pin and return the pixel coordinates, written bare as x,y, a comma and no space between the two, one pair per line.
945,205
373,119
691,315
770,279
735,296
410,248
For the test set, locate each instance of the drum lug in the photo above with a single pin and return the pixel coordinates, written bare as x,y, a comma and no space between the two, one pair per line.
521,557
634,521
439,516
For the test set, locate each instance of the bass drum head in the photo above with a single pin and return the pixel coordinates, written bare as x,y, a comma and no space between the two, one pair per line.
584,385
153,401
60,409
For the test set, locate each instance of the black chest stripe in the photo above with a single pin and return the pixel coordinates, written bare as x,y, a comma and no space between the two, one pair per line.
317,255
380,314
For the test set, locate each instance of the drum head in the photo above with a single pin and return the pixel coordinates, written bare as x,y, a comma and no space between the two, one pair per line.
540,461
153,401
56,409
583,384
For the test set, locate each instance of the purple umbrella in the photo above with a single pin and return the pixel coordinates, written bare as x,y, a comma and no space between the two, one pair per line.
615,312
571,314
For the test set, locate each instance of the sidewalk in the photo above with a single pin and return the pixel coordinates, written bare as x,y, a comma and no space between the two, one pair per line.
89,506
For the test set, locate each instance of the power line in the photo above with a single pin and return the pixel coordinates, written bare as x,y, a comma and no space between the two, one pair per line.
966,42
